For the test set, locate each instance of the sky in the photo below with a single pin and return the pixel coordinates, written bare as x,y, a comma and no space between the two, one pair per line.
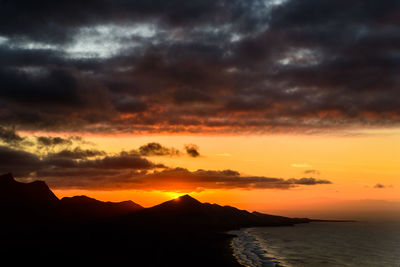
283,106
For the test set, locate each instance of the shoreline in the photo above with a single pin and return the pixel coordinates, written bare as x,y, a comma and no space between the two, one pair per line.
249,250
246,259
228,247
232,248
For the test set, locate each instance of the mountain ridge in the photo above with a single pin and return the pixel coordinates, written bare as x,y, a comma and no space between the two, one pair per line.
89,208
84,231
14,192
184,211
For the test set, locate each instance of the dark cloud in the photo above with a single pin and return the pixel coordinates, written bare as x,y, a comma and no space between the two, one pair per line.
127,104
19,162
47,141
214,66
156,149
308,181
54,23
10,137
184,180
178,179
121,161
128,170
78,153
379,186
27,165
187,95
124,160
314,172
46,98
192,150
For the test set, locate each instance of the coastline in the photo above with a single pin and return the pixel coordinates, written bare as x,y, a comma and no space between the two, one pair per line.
318,244
233,248
229,254
247,251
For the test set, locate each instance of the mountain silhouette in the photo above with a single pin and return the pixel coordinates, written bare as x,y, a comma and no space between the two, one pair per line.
178,204
35,204
85,207
187,212
38,228
15,193
25,205
35,201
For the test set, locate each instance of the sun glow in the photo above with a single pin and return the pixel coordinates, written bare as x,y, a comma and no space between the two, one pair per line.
174,195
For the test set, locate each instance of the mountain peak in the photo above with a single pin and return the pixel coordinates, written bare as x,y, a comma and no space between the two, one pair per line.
12,191
79,199
187,199
184,201
7,178
186,196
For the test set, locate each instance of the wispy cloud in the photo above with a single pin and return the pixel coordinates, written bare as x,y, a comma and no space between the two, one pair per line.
382,186
301,165
224,155
314,172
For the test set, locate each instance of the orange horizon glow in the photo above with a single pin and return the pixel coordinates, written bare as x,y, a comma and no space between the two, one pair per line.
354,163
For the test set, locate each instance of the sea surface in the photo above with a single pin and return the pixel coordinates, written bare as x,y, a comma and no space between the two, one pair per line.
358,244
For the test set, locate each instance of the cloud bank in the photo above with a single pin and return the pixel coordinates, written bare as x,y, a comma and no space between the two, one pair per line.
220,66
96,170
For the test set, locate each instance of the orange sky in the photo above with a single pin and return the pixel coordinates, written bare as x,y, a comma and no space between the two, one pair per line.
354,163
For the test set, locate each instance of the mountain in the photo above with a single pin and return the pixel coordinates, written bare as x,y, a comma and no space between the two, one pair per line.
38,228
25,205
16,193
85,207
24,202
34,203
187,212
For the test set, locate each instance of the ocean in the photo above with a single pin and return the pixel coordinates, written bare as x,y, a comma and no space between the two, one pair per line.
358,244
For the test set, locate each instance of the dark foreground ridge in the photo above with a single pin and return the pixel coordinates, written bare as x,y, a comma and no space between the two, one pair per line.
38,228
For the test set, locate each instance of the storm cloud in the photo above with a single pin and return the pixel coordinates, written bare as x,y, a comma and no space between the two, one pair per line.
199,66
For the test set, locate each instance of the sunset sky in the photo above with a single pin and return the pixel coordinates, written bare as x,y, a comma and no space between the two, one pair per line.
283,106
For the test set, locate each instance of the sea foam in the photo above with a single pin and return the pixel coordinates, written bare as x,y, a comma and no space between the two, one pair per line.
248,252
